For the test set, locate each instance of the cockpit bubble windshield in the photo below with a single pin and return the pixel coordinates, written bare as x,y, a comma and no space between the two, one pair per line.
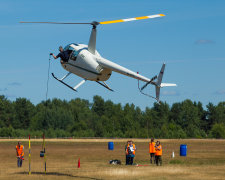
74,53
68,47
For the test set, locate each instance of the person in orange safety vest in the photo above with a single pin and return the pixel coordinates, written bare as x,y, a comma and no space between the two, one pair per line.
130,152
126,152
152,150
158,153
19,154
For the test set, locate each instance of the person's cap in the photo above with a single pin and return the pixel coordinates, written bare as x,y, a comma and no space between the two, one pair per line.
60,47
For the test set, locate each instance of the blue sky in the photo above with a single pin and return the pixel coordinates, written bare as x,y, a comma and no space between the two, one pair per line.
190,39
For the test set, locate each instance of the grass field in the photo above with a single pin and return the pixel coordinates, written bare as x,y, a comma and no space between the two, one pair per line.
205,160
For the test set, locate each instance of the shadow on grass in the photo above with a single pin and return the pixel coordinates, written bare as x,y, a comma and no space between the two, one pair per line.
58,174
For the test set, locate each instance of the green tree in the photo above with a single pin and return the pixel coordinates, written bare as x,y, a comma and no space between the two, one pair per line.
218,131
98,105
24,111
7,114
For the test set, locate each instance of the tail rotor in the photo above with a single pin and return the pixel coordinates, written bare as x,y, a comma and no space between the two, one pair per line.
158,84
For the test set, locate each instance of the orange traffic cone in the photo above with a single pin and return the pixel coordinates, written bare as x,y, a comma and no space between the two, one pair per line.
78,163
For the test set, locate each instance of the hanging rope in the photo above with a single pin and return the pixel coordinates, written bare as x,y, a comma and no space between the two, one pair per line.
46,96
45,118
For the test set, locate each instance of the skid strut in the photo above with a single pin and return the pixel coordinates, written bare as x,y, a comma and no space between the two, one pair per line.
63,82
104,85
73,88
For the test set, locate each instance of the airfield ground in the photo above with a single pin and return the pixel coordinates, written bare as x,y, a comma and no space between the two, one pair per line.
205,160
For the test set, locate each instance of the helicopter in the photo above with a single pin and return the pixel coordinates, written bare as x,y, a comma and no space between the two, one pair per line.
85,61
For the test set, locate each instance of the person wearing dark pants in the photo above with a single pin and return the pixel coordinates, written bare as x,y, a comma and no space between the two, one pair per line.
20,154
158,153
19,161
158,160
152,150
130,152
127,154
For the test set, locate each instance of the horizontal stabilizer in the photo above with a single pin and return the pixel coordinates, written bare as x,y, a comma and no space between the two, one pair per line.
167,85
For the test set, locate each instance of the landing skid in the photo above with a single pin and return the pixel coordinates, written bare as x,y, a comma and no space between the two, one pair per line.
78,85
105,85
63,82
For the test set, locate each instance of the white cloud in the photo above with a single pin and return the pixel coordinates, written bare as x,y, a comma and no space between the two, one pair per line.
15,84
170,93
204,41
220,92
3,89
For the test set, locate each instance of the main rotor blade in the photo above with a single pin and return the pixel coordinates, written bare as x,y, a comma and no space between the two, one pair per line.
95,23
54,22
132,19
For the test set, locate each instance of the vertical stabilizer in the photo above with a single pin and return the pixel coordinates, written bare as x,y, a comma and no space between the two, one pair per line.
159,81
92,41
157,93
160,76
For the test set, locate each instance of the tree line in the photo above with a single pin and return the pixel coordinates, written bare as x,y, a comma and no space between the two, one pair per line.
100,118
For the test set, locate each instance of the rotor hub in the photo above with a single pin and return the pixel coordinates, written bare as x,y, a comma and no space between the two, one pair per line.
94,24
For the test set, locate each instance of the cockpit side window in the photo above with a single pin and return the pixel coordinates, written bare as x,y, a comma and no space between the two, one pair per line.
74,54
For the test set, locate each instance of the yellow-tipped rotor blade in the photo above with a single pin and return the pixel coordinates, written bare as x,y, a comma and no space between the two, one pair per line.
132,19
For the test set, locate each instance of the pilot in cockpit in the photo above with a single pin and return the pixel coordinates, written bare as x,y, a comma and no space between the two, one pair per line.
64,55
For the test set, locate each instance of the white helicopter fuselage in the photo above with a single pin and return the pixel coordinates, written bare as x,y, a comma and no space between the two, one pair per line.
84,64
93,67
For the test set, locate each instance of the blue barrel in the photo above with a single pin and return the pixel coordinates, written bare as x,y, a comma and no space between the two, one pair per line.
183,150
42,153
110,146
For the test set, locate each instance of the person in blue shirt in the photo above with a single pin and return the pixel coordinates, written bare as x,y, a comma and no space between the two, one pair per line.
64,55
130,153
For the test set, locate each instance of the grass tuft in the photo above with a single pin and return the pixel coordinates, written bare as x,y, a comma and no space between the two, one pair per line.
176,161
